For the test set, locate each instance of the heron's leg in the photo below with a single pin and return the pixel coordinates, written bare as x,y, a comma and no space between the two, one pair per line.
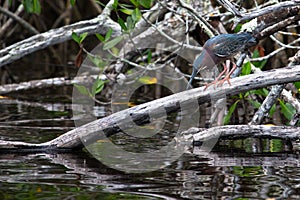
227,77
226,70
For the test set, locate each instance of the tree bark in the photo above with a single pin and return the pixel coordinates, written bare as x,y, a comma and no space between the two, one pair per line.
140,114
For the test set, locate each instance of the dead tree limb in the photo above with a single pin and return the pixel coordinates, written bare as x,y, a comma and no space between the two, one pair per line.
140,114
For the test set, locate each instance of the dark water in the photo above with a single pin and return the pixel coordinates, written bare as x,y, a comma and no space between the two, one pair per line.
231,171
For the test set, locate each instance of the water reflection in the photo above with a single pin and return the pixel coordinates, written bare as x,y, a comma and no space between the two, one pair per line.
232,171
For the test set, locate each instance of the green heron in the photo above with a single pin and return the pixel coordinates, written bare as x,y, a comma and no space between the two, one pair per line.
218,49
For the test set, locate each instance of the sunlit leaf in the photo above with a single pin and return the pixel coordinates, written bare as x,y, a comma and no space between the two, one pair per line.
36,6
136,15
112,42
126,11
246,68
148,80
230,112
75,37
100,37
82,37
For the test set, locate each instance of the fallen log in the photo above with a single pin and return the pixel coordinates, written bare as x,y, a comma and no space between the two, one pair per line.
140,113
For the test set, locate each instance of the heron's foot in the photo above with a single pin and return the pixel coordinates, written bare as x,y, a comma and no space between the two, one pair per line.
226,78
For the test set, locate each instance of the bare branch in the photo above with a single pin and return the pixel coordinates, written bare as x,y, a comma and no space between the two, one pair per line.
18,19
169,104
99,24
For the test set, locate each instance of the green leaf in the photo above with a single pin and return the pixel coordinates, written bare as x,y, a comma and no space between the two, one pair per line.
145,3
100,37
297,85
112,42
115,4
36,6
75,37
246,68
255,103
32,6
130,23
272,110
262,92
82,89
108,34
255,54
135,3
82,37
122,24
230,112
126,11
97,86
287,109
136,15
73,2
260,64
97,61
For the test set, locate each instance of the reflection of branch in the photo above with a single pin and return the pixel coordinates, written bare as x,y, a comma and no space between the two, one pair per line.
140,113
100,24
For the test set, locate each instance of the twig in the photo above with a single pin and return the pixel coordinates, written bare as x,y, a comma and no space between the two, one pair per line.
18,19
282,44
273,52
267,104
202,22
230,7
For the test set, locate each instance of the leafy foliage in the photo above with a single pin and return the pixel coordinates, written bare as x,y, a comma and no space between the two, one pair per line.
32,6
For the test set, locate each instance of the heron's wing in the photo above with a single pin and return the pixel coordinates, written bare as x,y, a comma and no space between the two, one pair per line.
230,44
